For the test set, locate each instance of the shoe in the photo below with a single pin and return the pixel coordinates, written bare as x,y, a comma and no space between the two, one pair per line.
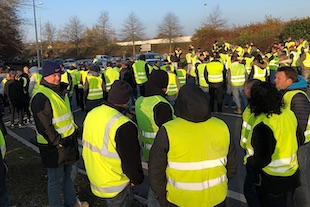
82,204
226,106
12,126
238,111
234,107
27,121
20,125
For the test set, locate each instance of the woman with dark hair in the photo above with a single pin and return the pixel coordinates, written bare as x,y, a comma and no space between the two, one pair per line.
271,148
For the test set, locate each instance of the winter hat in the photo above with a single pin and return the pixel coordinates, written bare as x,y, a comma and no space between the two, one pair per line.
159,78
50,67
120,92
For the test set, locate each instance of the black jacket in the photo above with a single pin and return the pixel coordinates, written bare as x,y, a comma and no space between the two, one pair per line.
14,91
52,154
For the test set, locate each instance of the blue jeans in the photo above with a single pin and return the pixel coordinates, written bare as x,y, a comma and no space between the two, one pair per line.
4,199
302,193
61,179
123,199
239,97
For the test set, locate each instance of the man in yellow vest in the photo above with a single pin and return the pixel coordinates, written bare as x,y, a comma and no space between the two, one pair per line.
56,136
271,149
141,71
94,89
110,139
236,76
215,78
293,87
4,199
110,75
192,157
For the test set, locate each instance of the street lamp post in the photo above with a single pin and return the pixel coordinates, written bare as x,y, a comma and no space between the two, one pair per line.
36,33
40,40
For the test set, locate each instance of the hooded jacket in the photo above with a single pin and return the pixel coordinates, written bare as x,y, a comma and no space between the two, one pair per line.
192,105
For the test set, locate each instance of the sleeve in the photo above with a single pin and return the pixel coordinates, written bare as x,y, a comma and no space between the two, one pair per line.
206,75
300,105
147,70
302,58
42,115
231,165
228,77
162,113
157,165
31,85
263,142
127,135
3,172
86,89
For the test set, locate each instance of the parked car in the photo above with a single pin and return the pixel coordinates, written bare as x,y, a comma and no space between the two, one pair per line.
68,63
151,57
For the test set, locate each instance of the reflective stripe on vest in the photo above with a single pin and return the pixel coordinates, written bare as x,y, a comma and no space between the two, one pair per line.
198,186
197,165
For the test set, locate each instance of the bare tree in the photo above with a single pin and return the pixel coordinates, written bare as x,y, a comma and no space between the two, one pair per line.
132,30
10,38
170,28
216,19
73,32
49,32
105,30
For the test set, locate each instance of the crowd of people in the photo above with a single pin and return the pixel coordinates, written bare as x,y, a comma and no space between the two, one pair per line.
166,111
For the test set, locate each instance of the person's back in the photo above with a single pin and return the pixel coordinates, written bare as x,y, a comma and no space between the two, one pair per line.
153,110
198,151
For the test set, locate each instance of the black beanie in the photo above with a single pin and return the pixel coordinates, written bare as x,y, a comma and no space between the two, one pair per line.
159,78
120,92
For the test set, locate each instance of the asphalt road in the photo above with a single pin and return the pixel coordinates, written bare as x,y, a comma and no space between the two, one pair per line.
235,196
